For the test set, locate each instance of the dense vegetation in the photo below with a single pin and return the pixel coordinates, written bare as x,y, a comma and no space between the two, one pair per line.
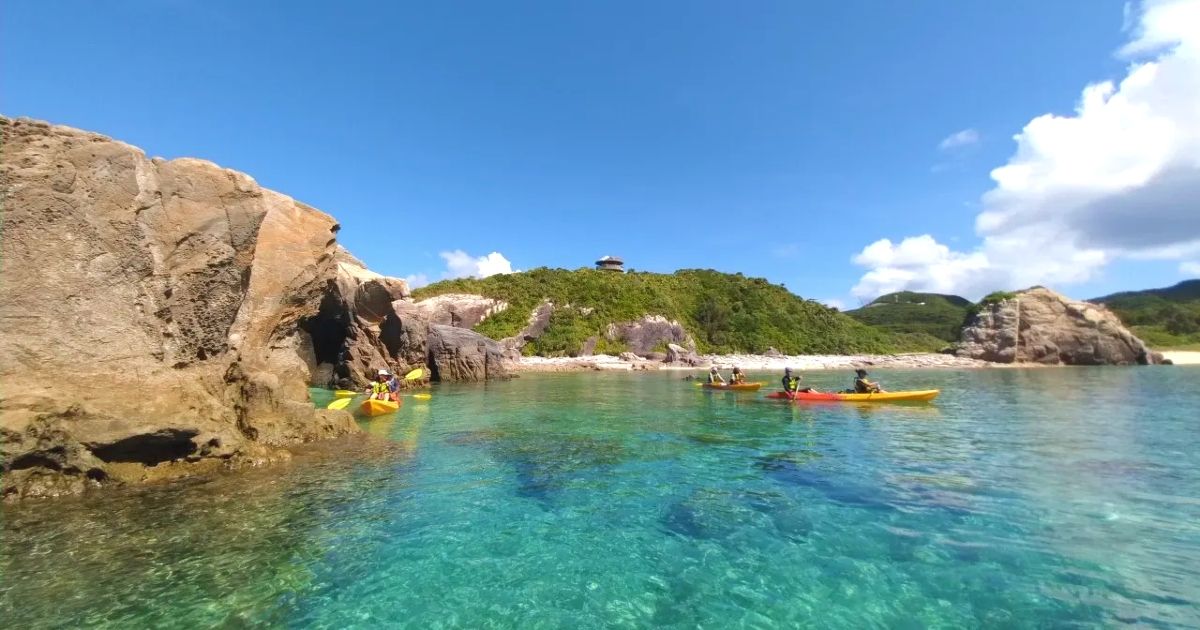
1163,318
725,313
936,317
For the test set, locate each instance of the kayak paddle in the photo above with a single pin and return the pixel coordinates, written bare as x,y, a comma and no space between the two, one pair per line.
340,403
344,393
414,375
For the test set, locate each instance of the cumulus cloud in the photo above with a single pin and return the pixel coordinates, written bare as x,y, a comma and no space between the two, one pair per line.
917,261
958,139
416,280
1190,268
834,303
460,264
1120,178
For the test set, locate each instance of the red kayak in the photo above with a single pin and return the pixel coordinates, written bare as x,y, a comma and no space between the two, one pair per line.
917,395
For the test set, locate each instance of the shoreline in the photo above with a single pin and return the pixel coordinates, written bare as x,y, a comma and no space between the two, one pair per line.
1182,357
807,363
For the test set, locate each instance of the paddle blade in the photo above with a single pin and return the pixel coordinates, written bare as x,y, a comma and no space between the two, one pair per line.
340,403
345,393
422,396
414,375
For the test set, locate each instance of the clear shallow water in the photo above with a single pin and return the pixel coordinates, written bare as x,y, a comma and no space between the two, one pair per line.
1023,498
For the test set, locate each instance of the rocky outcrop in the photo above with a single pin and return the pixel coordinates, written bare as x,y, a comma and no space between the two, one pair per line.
538,321
458,354
166,316
680,355
1041,326
458,309
649,334
153,312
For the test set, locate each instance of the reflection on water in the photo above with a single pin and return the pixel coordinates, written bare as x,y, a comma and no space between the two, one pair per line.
1020,498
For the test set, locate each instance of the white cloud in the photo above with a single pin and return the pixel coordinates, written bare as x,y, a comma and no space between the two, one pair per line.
918,262
959,139
834,303
1190,268
1118,179
416,280
460,264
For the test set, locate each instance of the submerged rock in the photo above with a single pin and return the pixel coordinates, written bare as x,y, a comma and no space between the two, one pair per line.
1041,326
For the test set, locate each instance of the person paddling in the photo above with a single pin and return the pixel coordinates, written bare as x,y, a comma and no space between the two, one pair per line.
714,377
864,386
380,390
791,384
738,376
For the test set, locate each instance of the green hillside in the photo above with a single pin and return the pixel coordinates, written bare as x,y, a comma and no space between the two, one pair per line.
932,314
1163,318
726,313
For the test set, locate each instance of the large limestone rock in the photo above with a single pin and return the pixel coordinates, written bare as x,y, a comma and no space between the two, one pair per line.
458,354
164,314
1041,326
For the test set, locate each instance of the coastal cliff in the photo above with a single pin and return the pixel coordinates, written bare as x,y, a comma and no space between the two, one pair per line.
162,317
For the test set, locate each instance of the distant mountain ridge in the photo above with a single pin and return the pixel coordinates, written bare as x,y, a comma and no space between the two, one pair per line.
934,315
1168,317
1185,291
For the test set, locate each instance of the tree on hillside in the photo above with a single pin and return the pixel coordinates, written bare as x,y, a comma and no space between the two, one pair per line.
713,318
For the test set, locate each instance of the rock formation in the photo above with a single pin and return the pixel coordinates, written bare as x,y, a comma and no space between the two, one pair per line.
683,356
650,333
459,354
1041,326
463,310
161,316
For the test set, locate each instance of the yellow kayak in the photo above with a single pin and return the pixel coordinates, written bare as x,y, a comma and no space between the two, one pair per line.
374,407
733,387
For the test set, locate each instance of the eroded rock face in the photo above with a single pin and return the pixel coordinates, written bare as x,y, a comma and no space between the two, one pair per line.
1041,326
458,309
538,321
458,354
649,333
155,312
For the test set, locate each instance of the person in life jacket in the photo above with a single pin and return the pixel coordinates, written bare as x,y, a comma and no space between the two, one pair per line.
864,386
381,389
791,384
738,376
714,377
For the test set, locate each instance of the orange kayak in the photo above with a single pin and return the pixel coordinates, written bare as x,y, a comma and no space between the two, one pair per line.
733,387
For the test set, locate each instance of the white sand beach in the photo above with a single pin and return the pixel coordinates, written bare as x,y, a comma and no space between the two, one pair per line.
1182,357
755,362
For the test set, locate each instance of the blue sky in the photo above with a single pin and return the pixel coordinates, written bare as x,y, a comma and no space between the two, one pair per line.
776,139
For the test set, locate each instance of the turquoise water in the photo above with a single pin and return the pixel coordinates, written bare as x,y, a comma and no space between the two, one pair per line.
1021,498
